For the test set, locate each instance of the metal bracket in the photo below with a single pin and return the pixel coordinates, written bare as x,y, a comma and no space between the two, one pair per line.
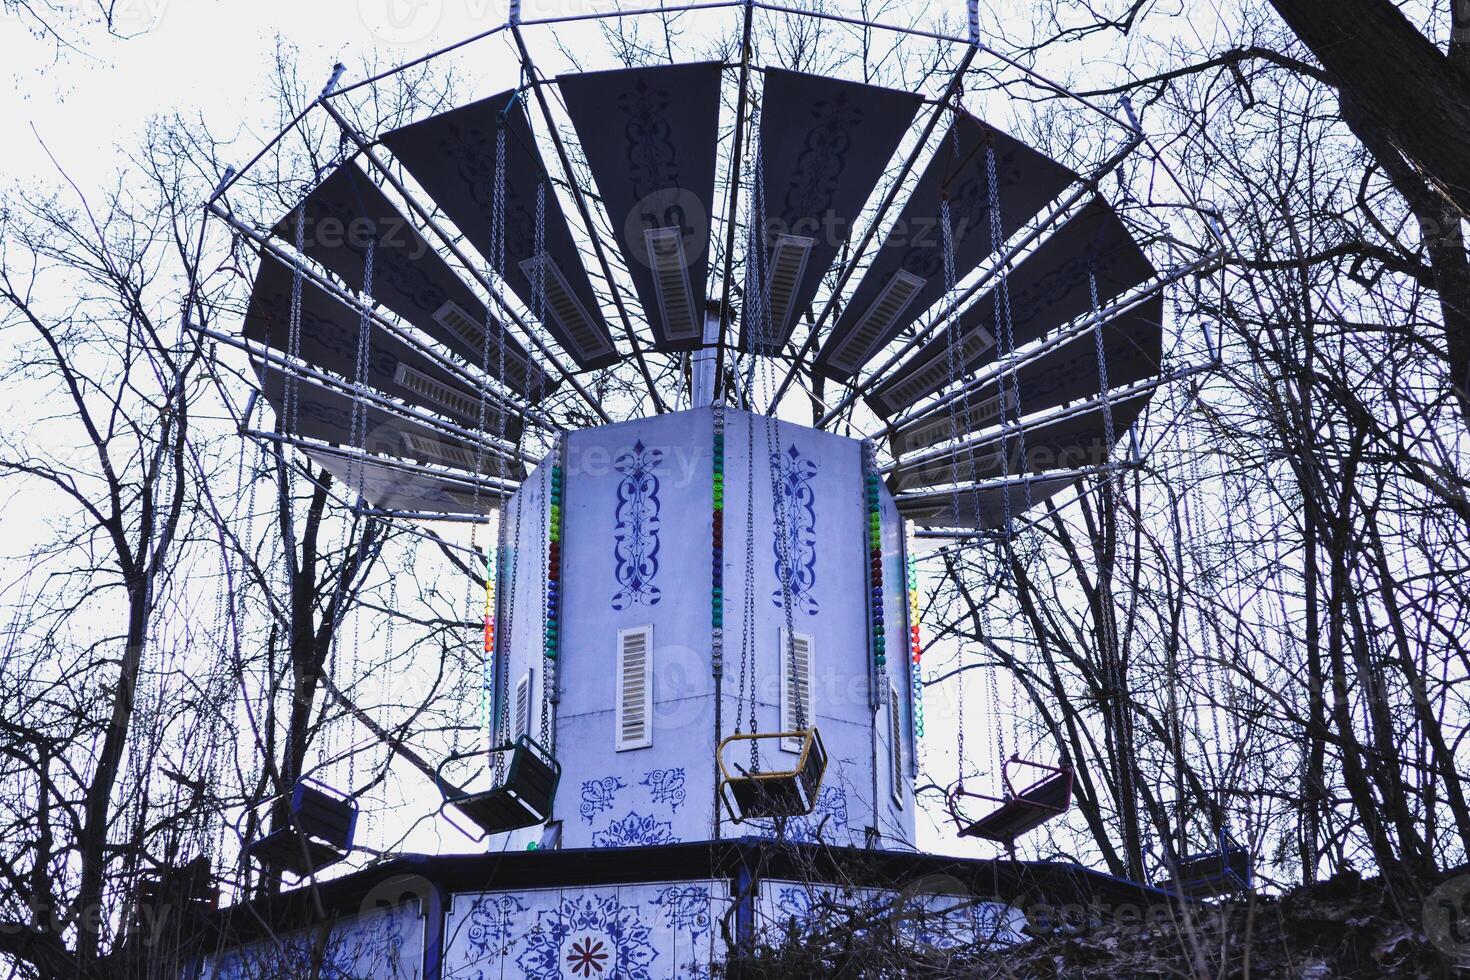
974,10
337,71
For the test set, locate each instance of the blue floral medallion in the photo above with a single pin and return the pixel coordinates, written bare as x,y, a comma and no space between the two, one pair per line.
588,936
636,527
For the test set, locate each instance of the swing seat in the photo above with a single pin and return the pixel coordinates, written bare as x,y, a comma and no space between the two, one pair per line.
1211,874
523,799
1020,812
318,832
782,793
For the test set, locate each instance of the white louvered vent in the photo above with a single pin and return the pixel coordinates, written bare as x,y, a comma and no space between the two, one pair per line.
671,282
788,265
798,692
895,297
934,374
949,423
438,393
570,315
454,318
896,739
521,720
442,452
634,710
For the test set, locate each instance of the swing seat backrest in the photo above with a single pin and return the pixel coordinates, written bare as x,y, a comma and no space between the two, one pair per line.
1212,873
1022,813
523,799
323,815
533,776
287,849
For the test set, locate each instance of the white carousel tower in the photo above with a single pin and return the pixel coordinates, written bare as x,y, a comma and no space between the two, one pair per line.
664,601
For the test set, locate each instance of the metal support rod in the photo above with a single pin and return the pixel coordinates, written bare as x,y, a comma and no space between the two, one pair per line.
1077,328
489,486
586,214
1002,433
489,444
1076,473
737,156
448,242
1038,228
969,538
893,190
503,400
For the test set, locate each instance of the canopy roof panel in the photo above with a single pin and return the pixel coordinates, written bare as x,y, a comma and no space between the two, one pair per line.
453,158
650,136
824,146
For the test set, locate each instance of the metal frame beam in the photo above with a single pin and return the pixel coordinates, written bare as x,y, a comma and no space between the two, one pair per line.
504,399
1001,266
1068,332
454,249
488,443
586,215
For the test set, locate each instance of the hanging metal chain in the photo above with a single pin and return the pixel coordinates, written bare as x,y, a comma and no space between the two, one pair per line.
1109,435
293,338
1010,373
746,682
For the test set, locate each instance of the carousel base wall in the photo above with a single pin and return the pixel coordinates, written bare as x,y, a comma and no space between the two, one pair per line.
645,913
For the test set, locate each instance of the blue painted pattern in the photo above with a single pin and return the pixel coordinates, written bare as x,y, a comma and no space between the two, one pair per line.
598,795
665,786
799,501
491,929
589,936
636,527
635,830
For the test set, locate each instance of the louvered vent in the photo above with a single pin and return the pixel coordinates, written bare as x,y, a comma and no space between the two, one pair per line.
931,375
796,686
950,423
634,714
881,315
441,452
567,311
454,318
439,394
522,717
788,265
671,282
896,737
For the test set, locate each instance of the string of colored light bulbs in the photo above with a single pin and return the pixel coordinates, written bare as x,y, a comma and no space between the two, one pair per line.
492,561
915,638
717,548
553,560
875,556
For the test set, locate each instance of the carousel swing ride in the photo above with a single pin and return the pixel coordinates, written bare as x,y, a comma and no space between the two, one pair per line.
671,257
